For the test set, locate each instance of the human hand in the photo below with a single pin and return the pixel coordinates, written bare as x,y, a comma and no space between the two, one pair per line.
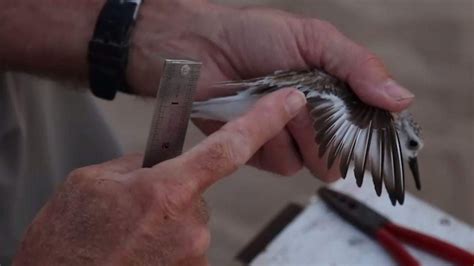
118,213
243,43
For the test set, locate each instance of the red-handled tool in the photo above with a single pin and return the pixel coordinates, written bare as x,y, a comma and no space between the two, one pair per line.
389,234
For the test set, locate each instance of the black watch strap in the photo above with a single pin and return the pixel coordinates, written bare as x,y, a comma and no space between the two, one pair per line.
108,49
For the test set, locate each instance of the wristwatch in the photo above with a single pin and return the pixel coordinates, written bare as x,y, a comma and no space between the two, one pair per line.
109,48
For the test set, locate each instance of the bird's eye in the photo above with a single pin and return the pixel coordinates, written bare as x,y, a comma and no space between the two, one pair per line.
413,144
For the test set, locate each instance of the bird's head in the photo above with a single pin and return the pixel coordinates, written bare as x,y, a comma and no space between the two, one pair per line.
411,142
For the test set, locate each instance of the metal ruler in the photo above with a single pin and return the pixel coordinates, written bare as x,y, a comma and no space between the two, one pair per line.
174,101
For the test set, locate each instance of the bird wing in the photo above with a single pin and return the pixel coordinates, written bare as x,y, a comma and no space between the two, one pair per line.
352,132
346,129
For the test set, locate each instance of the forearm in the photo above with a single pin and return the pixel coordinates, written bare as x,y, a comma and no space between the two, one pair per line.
48,37
51,37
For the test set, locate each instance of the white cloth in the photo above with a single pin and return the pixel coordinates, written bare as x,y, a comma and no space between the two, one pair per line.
46,130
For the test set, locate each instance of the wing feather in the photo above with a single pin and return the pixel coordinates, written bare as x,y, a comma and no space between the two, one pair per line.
363,143
327,137
388,169
347,150
398,166
376,160
338,144
361,152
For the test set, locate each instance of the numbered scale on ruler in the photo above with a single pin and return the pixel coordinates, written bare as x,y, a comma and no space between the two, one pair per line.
174,101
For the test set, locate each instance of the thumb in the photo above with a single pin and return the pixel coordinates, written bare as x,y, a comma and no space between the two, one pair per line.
361,69
234,144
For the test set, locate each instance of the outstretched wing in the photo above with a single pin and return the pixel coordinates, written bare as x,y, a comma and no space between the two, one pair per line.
352,132
348,131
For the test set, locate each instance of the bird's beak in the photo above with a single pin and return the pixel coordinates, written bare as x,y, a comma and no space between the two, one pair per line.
413,162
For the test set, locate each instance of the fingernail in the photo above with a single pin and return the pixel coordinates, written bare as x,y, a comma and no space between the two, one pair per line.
294,102
397,92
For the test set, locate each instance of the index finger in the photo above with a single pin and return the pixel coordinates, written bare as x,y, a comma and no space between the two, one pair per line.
232,146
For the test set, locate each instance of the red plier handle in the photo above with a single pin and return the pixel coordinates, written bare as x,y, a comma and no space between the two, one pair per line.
390,234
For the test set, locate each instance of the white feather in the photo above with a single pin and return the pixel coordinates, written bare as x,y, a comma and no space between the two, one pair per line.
224,108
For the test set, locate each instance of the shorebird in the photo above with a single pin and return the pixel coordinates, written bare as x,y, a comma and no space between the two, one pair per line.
347,130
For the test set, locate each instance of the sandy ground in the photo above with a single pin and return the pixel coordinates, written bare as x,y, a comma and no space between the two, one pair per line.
429,47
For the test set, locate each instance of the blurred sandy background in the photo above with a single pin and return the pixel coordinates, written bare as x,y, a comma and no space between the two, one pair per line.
429,47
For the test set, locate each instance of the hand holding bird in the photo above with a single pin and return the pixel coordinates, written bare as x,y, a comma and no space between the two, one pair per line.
254,42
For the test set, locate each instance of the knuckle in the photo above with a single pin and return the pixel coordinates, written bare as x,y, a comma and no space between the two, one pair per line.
270,117
325,175
238,146
291,169
203,212
171,197
327,27
314,37
266,107
220,155
301,122
365,62
84,173
285,168
369,58
318,25
143,190
77,175
200,241
96,196
330,178
229,152
170,205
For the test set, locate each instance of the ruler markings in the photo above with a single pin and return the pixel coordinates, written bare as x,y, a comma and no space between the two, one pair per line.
173,108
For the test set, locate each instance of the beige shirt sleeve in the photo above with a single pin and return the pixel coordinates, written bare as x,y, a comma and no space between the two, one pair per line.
46,130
